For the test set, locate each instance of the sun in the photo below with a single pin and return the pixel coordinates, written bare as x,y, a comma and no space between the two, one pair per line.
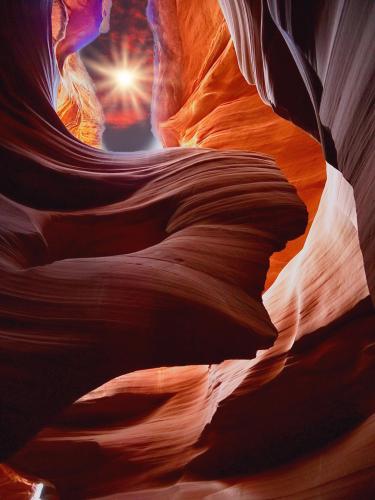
125,80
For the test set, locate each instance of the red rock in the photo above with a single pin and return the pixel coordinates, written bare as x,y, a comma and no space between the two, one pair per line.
111,264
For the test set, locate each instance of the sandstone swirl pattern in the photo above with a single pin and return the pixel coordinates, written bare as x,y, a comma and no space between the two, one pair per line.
116,266
116,263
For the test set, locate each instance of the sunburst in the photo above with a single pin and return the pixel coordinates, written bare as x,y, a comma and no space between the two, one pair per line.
123,79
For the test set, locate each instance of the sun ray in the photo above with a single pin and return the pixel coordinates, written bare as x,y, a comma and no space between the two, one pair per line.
123,79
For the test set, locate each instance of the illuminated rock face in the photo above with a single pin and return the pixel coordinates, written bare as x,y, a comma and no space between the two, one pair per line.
325,47
126,262
73,25
77,105
201,99
117,263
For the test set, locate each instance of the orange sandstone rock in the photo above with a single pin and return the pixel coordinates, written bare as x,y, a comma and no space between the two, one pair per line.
201,99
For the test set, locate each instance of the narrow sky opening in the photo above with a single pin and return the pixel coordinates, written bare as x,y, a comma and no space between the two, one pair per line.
120,63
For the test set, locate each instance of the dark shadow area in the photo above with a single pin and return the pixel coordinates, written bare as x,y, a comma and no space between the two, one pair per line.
134,138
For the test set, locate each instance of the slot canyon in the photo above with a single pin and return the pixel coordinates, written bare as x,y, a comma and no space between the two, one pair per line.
195,320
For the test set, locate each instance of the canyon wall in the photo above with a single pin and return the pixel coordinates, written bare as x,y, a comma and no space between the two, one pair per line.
117,268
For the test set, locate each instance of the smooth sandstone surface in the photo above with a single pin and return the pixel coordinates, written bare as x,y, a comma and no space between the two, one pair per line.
114,267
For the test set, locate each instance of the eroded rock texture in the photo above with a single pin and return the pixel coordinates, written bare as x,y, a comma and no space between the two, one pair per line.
116,266
201,99
324,48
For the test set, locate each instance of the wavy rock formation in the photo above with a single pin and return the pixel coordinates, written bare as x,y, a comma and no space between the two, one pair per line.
201,99
124,262
77,105
115,264
324,48
73,25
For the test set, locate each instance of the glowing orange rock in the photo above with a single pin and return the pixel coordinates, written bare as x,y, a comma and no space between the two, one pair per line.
121,262
146,433
77,104
201,99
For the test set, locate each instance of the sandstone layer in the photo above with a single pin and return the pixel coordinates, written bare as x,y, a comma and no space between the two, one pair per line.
141,357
